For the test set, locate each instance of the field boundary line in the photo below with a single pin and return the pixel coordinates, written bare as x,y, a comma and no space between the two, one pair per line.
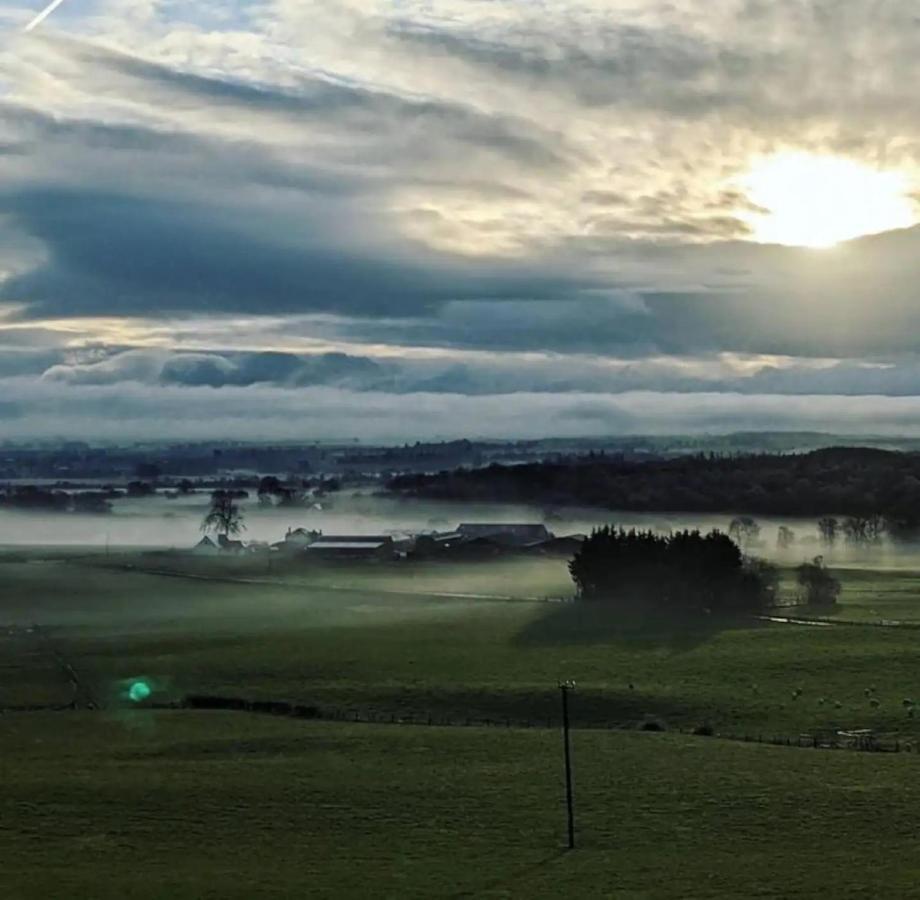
282,708
228,579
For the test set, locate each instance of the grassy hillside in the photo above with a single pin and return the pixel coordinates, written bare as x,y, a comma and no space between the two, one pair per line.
187,805
132,802
411,654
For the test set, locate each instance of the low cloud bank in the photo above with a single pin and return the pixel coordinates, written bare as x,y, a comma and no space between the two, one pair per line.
134,411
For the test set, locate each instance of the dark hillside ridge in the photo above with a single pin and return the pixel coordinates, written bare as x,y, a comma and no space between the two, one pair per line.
851,481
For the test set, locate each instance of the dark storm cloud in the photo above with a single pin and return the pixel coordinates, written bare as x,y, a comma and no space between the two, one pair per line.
286,369
263,221
124,255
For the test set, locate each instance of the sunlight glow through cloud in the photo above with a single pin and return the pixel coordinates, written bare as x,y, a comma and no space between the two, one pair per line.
819,201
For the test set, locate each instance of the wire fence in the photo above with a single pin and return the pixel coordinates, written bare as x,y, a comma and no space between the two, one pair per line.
861,740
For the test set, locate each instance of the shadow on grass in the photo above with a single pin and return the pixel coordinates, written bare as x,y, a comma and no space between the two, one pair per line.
592,623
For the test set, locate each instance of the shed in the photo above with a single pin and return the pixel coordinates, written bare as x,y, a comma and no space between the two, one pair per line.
205,547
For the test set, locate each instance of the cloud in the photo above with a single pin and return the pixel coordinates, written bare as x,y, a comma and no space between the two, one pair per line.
476,374
94,412
487,203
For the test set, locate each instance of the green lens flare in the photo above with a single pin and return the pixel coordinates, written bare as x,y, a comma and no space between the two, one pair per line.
139,691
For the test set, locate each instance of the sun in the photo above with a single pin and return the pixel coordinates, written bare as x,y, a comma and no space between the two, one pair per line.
808,200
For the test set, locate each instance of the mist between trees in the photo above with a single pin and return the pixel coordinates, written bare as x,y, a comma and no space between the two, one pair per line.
858,494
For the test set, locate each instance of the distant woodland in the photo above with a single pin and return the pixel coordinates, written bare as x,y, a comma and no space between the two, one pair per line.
843,481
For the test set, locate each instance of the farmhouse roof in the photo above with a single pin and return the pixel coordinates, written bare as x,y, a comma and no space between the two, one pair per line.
347,545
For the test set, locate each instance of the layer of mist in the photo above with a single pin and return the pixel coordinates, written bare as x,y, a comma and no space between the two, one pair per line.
159,522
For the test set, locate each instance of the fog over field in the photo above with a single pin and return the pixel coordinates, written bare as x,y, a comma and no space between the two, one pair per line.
158,522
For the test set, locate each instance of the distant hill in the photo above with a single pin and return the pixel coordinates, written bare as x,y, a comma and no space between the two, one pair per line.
848,481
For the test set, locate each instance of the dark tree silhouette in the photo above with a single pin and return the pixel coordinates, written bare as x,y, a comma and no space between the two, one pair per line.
743,530
683,572
224,516
867,529
820,587
829,529
842,481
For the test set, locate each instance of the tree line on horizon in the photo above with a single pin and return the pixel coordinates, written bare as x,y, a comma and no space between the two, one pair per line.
866,492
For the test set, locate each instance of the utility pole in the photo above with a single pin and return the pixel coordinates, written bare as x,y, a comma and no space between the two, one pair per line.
564,688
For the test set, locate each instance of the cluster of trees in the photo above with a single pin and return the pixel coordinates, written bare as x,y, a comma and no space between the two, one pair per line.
852,482
858,530
682,572
37,499
863,529
819,587
294,492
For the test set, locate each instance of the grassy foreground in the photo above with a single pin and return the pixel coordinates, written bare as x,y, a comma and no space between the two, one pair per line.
194,805
415,654
130,802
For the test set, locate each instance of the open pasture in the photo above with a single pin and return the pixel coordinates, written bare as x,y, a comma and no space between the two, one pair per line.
193,804
188,805
384,652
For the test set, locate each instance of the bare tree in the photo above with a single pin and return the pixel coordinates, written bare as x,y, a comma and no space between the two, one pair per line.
864,529
743,530
829,529
224,516
785,537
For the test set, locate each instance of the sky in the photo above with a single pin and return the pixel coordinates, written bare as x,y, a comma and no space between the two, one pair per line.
417,219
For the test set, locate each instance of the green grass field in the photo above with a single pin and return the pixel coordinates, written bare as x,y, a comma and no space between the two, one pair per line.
416,654
191,805
132,802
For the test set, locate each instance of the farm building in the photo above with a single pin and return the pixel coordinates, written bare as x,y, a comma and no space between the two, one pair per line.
205,547
297,539
365,546
227,545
